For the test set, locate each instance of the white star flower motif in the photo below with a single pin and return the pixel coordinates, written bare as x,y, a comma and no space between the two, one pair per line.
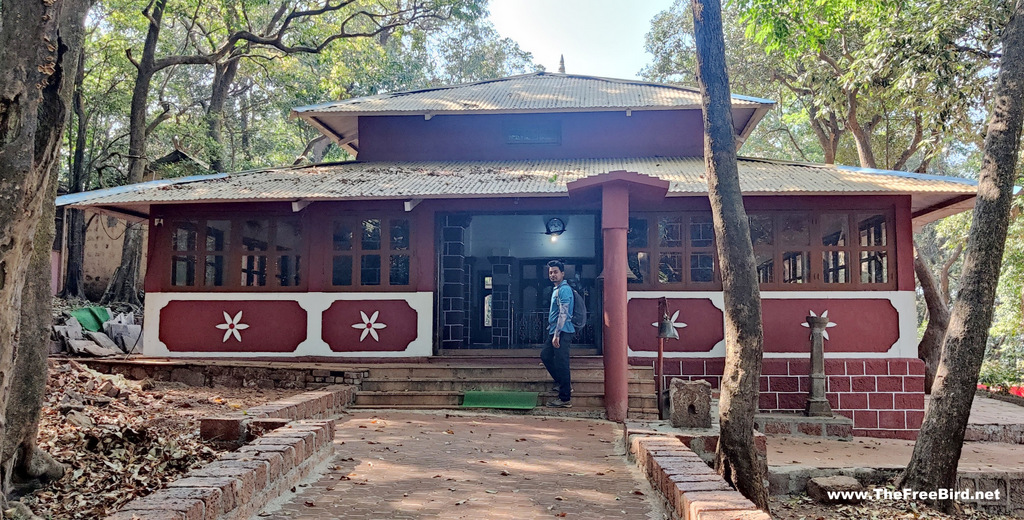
829,325
369,326
675,324
231,326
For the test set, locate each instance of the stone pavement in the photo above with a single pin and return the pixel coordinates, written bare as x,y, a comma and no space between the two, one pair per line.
406,465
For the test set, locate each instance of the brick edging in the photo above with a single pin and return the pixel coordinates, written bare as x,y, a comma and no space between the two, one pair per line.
692,489
236,429
240,483
297,435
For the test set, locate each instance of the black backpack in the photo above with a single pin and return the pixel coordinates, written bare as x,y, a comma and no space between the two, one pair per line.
579,310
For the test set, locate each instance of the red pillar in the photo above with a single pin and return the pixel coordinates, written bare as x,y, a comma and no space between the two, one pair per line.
614,225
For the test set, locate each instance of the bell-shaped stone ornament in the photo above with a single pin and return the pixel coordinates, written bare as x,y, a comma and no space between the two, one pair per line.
667,329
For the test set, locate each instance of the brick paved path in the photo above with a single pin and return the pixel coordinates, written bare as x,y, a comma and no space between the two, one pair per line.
397,465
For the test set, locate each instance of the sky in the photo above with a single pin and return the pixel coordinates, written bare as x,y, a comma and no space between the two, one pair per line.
597,37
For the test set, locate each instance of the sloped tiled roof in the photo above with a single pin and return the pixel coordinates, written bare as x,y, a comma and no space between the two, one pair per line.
538,178
529,92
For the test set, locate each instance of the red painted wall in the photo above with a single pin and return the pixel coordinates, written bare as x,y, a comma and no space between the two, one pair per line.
675,133
883,397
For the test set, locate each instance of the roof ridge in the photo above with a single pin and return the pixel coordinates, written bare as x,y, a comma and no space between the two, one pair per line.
540,74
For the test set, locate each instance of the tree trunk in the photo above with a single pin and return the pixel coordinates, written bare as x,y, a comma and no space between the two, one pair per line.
930,347
39,46
223,78
937,451
861,133
123,285
74,277
737,459
25,466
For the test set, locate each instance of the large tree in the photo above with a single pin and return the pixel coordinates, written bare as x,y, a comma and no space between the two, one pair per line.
937,451
39,46
736,459
280,30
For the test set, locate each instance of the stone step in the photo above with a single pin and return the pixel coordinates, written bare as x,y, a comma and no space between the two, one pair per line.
586,385
597,412
521,371
454,399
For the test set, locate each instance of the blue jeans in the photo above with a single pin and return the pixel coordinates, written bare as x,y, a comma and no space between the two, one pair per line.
556,360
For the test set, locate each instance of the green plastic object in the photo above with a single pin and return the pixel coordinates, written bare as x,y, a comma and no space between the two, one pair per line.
494,399
91,318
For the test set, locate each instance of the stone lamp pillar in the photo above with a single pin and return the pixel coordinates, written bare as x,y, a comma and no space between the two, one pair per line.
817,404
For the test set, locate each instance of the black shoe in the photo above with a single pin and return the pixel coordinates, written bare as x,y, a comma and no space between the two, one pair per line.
558,387
558,403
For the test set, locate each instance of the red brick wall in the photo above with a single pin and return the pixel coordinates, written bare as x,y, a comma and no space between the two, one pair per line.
883,397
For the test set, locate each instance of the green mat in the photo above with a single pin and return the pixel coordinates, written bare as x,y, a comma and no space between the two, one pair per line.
91,318
513,400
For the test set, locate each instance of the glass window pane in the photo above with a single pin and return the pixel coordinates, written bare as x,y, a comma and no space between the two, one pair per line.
399,270
218,235
874,267
670,268
639,264
215,270
761,229
872,230
184,236
702,231
670,231
288,270
255,235
795,266
794,230
183,270
835,229
342,271
835,267
637,234
399,235
369,270
702,267
371,234
765,261
342,236
289,235
254,270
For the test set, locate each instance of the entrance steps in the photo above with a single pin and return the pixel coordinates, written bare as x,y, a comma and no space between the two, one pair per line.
440,384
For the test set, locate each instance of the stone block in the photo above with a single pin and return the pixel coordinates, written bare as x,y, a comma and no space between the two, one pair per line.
210,497
227,429
287,453
262,425
733,515
188,376
819,488
232,490
146,515
701,502
188,508
690,403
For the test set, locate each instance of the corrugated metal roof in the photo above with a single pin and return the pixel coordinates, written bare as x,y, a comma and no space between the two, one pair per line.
460,179
528,92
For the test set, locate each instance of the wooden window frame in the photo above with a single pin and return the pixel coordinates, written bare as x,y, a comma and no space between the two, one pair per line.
815,281
655,250
385,252
234,253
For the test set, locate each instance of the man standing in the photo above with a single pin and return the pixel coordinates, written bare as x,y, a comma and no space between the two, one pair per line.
555,353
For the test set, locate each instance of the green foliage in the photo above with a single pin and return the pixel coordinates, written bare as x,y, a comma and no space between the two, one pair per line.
455,44
912,76
1001,374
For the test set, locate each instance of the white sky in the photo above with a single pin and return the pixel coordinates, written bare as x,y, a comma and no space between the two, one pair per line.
597,37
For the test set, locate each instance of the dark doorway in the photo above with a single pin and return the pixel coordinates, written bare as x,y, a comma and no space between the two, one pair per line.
494,289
